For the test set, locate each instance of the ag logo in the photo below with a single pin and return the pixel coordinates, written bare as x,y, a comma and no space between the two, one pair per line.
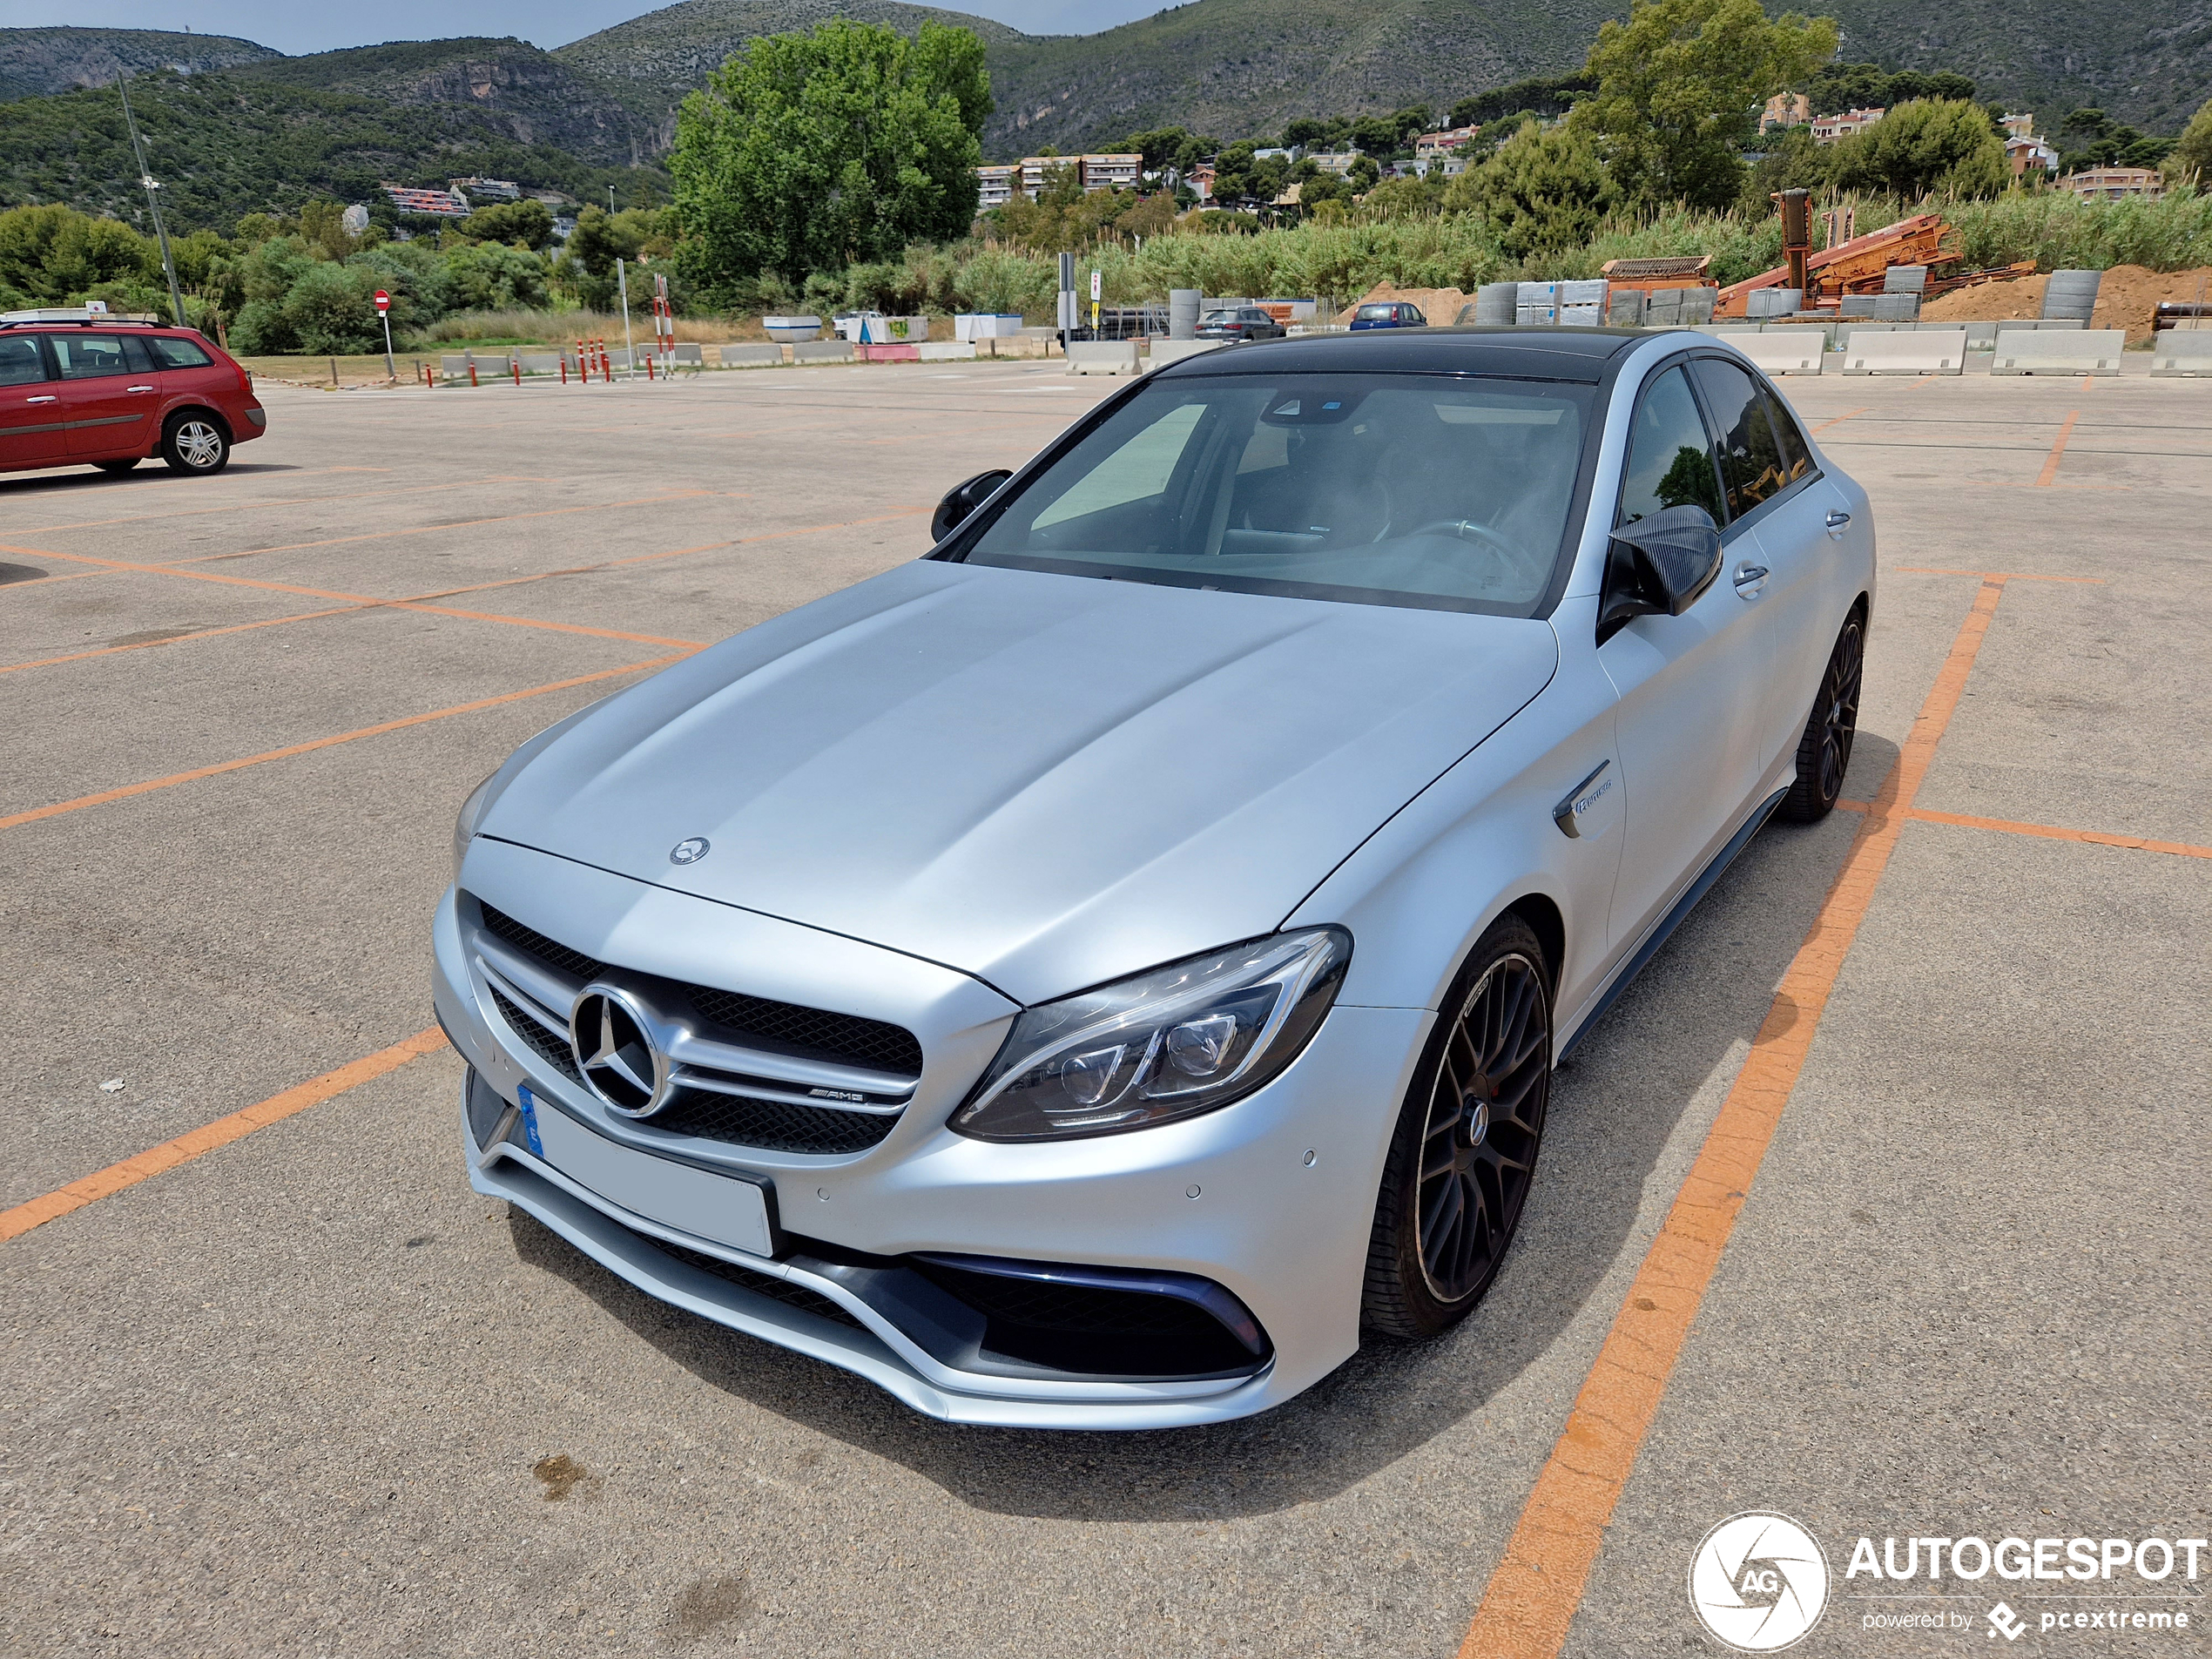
1758,1581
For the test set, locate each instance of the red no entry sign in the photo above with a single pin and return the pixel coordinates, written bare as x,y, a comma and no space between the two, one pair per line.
383,300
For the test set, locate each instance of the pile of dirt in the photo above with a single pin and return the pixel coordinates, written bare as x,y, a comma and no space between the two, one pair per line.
2127,297
1440,305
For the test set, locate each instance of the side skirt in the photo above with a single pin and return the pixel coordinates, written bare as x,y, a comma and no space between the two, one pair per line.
1684,906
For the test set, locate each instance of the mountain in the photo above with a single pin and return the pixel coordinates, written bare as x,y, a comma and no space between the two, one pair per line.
1238,68
33,61
529,95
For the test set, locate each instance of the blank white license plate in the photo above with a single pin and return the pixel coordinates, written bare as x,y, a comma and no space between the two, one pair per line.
725,1209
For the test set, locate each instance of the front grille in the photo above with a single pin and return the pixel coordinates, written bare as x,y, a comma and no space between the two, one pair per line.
773,1125
780,1290
845,1039
549,1048
574,963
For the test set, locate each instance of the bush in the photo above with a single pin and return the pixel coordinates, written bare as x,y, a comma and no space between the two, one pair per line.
331,309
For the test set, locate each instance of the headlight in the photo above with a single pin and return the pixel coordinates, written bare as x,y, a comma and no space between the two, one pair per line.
1172,1043
482,797
472,814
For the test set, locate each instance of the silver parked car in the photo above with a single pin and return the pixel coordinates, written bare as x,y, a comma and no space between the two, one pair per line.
1088,976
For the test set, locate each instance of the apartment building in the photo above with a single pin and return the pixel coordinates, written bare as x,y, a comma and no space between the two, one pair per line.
1826,129
1336,161
2110,184
486,190
1785,110
994,187
443,203
1431,146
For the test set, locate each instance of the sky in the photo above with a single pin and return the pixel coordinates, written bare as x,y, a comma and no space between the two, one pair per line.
290,27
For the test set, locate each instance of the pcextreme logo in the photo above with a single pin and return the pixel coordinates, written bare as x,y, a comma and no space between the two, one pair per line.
1758,1582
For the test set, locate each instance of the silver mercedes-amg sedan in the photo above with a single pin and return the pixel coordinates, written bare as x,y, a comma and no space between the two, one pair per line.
1089,976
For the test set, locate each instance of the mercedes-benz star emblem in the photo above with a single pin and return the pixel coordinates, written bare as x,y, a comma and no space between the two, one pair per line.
688,852
611,1036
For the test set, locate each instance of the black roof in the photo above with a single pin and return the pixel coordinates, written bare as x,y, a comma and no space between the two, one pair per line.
1527,353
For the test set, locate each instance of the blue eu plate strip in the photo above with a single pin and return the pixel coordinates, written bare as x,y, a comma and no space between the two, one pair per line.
530,1120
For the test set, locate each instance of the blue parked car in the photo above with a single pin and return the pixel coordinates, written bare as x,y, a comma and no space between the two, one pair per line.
1389,314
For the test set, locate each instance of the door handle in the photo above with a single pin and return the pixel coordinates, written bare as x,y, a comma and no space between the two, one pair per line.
137,388
1750,580
1836,523
49,398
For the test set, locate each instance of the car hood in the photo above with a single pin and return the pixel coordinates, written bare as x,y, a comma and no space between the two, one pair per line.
1042,780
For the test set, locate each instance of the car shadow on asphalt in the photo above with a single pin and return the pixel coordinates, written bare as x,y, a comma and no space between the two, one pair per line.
1659,1054
30,483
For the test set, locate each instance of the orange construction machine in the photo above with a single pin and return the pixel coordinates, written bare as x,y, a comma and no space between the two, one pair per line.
1856,266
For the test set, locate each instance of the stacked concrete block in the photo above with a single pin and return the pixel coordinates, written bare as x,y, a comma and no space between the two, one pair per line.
2071,294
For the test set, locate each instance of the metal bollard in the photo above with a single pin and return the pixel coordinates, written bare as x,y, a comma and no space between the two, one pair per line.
649,366
514,360
472,369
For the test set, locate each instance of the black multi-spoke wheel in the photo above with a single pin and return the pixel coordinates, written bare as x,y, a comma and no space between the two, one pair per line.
1824,752
1465,1153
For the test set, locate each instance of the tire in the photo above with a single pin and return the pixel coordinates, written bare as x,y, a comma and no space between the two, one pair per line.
1824,752
194,442
1464,1154
116,469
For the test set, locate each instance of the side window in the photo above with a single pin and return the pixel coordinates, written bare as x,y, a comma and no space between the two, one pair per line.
21,361
1797,453
1753,467
1413,315
1670,458
84,357
172,353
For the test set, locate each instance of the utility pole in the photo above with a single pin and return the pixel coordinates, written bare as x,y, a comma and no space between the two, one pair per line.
629,346
137,150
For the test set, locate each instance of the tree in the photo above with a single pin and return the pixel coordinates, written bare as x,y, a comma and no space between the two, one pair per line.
1545,188
811,151
1923,148
2192,157
1679,90
522,224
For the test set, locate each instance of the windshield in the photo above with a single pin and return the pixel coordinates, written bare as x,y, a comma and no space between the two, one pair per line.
1377,313
1419,489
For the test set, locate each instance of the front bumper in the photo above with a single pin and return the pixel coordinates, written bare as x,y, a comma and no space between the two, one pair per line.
1229,1197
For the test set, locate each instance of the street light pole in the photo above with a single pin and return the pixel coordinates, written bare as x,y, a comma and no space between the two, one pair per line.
168,265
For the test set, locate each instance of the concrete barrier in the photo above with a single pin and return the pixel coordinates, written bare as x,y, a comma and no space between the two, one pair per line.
536,362
752,356
946,351
1786,350
1174,351
1913,351
2080,351
2186,352
822,351
687,356
1102,357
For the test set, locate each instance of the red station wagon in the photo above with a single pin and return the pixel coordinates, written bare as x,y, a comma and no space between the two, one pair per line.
89,390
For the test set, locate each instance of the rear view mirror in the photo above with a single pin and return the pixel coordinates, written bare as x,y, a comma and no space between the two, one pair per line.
961,501
1672,557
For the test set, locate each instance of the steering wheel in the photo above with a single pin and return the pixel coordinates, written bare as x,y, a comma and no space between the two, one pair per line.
1467,530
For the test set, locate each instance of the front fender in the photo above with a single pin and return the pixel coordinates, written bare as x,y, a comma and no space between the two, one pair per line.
1418,892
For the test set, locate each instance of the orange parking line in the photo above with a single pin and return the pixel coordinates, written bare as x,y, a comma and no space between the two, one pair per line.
174,639
2058,448
198,1142
361,601
1533,1595
175,777
277,501
2095,837
459,525
1840,419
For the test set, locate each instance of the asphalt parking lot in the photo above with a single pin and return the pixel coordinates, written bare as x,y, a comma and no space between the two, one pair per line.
1878,1202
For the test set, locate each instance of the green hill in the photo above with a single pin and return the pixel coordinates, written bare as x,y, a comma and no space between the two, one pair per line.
230,143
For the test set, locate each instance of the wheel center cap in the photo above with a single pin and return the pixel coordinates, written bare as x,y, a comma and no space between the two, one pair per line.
1478,1123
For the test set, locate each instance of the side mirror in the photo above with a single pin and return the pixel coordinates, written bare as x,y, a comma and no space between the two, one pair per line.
1672,557
961,501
